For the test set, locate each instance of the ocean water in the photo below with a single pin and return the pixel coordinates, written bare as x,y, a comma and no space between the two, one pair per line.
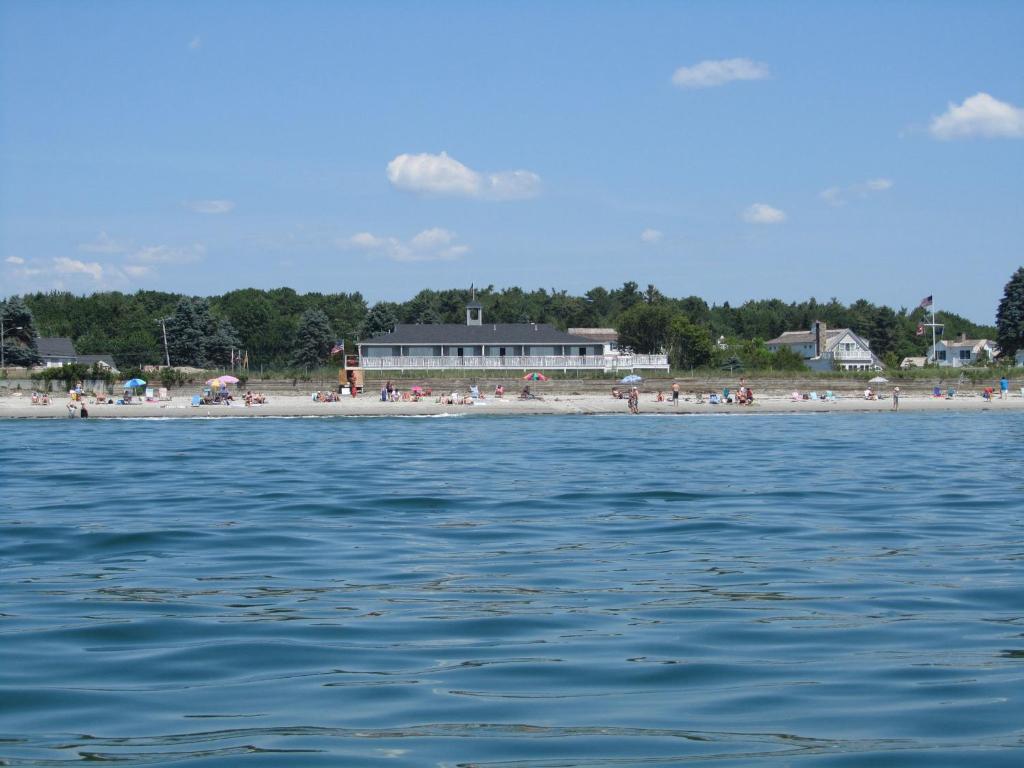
818,590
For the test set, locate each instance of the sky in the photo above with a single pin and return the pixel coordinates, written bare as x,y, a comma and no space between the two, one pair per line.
730,150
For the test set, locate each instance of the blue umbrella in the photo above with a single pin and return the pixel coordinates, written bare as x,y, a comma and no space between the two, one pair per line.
132,383
631,379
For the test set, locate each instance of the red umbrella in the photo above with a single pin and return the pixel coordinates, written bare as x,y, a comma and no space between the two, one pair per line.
535,376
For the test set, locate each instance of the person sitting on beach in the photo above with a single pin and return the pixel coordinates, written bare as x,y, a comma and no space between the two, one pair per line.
749,396
525,394
474,392
45,400
713,398
869,394
35,398
660,397
499,391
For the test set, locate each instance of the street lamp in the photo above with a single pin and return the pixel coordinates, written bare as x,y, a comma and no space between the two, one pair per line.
3,348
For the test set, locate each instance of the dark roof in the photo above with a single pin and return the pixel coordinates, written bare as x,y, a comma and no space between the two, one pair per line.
93,359
488,333
55,346
474,304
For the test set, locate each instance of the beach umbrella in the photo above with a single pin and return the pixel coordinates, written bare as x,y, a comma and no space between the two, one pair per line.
631,379
133,383
417,388
878,380
535,376
227,379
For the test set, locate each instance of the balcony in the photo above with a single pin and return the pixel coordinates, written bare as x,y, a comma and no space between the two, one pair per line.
519,363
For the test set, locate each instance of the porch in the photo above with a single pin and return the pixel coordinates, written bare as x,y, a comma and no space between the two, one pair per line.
566,363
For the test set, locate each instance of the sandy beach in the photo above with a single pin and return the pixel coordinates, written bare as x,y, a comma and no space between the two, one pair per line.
289,405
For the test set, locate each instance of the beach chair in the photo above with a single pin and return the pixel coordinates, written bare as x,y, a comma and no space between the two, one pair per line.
950,393
162,394
725,395
813,396
830,395
196,401
936,392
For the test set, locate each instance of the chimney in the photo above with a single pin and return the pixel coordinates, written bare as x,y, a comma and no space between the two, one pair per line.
962,337
820,338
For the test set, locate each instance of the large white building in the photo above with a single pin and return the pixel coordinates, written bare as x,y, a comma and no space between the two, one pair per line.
962,351
489,346
826,349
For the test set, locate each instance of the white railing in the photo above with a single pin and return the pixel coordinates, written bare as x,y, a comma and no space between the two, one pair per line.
519,362
851,354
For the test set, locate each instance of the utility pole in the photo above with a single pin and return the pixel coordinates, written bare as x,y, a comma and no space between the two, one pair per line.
3,349
163,326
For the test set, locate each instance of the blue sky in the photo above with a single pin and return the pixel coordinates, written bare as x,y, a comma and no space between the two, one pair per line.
730,150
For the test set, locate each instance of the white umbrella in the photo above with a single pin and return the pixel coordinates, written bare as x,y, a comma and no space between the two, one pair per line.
878,380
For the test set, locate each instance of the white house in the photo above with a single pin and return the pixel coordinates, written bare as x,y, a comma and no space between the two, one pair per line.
962,351
825,349
1019,357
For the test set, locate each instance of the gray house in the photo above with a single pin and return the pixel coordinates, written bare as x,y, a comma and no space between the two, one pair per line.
477,344
56,350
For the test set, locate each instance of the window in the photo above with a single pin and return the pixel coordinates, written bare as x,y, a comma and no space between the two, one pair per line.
965,354
941,355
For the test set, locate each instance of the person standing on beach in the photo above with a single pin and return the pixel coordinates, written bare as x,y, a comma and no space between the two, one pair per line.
1004,388
634,400
896,398
675,393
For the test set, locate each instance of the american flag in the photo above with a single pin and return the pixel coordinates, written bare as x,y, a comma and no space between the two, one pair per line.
926,301
338,348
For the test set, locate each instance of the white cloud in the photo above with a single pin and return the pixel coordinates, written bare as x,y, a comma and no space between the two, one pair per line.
832,196
838,196
103,243
444,175
14,260
137,270
166,254
434,244
762,213
366,240
651,236
67,266
979,115
195,43
711,73
210,206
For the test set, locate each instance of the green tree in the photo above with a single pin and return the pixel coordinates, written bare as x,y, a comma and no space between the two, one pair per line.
689,345
644,328
19,333
382,317
187,330
314,339
221,342
1010,316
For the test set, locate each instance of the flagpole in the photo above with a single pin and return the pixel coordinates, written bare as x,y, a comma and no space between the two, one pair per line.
933,330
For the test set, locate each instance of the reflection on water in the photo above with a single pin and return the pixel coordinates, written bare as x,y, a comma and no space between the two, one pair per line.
550,591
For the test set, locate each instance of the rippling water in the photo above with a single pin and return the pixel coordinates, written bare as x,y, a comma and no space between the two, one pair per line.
839,590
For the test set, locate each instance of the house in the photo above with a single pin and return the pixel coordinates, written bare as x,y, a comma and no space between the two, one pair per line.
826,349
1019,357
913,362
56,350
103,362
608,337
962,351
480,345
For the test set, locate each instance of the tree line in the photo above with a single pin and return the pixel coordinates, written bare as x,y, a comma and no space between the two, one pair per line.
281,328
